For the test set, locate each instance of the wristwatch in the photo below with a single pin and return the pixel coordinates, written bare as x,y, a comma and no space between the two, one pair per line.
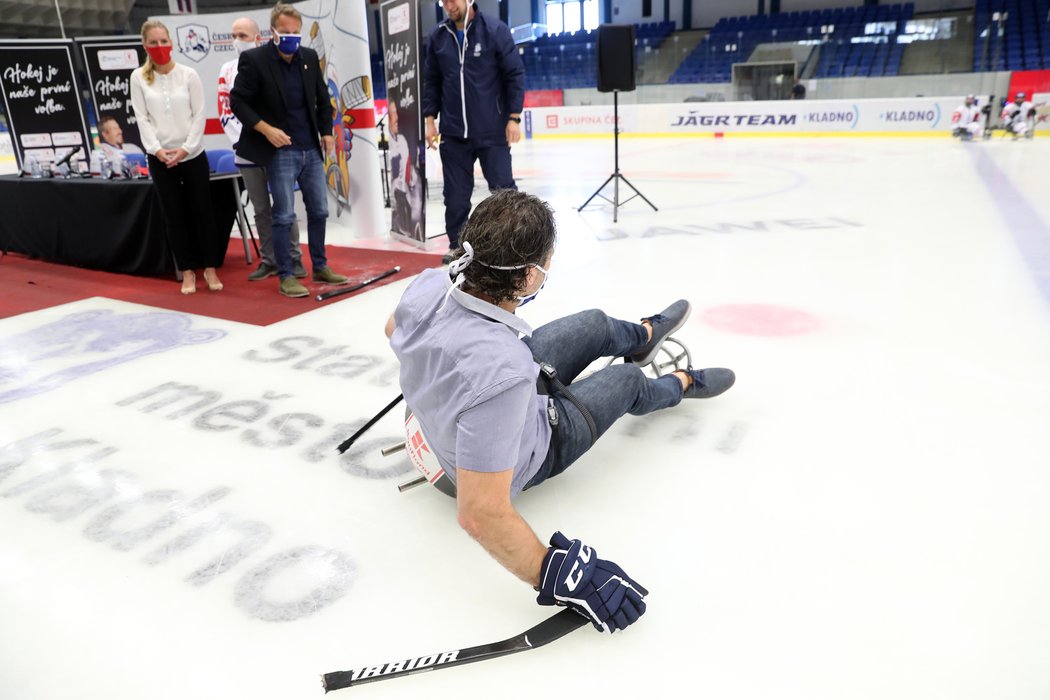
515,119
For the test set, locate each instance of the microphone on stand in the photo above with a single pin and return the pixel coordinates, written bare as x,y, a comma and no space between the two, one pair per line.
66,158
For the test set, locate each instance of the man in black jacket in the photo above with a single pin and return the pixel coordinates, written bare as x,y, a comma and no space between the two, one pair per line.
475,80
281,98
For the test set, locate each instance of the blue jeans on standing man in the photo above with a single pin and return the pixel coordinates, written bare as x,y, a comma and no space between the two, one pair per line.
291,165
570,345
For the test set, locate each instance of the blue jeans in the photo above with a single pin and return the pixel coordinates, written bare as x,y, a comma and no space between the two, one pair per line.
291,165
572,343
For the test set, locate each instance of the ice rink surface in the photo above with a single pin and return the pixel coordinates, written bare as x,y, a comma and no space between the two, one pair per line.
863,516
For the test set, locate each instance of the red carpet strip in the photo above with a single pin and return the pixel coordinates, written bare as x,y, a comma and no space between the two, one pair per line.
29,285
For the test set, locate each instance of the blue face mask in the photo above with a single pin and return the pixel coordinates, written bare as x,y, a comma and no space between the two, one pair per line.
287,43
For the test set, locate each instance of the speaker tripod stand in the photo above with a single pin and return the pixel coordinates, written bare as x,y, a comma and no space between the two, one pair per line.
616,176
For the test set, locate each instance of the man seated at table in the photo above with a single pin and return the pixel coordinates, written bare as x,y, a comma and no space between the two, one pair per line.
111,138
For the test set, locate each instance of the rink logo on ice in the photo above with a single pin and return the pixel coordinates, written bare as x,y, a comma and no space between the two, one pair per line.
50,356
265,422
64,478
736,227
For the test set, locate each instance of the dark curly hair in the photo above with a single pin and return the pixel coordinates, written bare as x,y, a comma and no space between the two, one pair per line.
509,228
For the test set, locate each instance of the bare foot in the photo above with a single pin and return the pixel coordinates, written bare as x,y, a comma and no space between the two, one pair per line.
212,278
189,282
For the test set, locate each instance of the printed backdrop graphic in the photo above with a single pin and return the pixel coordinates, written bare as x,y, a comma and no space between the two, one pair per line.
41,99
337,31
110,62
401,42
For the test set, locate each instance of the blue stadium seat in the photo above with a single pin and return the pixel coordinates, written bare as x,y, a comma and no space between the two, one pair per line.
226,163
215,155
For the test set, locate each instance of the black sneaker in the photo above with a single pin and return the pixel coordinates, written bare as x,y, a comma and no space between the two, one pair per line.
664,324
708,382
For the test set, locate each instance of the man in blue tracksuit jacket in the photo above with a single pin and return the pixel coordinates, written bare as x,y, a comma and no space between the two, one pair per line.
475,80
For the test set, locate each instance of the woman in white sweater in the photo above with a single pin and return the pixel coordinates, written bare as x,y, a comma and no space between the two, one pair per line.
169,106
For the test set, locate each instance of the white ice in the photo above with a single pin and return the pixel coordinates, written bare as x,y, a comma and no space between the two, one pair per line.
863,516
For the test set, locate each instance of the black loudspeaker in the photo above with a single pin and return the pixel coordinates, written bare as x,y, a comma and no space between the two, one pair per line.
616,57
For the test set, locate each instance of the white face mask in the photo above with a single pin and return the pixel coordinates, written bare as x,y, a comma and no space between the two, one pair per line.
457,267
242,46
522,301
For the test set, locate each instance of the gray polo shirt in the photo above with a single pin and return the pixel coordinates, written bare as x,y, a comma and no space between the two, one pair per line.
470,380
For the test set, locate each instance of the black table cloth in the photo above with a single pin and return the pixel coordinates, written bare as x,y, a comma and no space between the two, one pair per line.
111,225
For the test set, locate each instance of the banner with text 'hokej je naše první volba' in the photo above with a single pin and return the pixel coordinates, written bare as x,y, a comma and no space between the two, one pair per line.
109,63
41,99
403,67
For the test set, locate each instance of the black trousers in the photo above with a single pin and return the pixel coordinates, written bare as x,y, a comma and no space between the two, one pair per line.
185,200
457,163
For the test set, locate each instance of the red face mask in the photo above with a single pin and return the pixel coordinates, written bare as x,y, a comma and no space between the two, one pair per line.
160,55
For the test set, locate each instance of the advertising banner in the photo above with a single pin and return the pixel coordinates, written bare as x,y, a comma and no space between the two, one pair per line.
401,43
109,62
337,31
1036,86
41,99
916,116
544,98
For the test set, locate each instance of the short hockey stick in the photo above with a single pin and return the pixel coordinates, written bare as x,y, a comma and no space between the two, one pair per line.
554,627
361,285
345,444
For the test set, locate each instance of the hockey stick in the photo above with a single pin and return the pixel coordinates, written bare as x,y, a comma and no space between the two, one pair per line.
345,444
361,285
554,627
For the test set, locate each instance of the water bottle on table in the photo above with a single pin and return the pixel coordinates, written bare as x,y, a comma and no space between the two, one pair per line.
35,169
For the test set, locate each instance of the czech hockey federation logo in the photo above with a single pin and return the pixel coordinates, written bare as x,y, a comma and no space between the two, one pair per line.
193,41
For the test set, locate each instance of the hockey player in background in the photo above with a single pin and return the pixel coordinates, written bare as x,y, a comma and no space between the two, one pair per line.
1017,117
966,120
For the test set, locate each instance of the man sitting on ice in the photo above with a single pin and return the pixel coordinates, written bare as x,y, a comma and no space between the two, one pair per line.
470,369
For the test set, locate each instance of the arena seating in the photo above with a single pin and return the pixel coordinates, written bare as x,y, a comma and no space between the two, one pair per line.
733,39
568,60
857,41
1025,43
561,61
